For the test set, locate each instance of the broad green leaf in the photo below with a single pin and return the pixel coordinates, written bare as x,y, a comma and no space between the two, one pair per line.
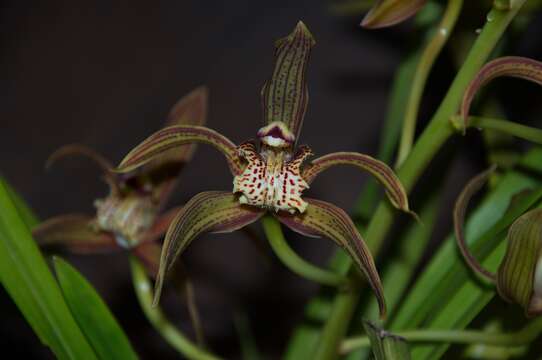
171,137
382,172
324,219
93,316
385,345
28,280
210,211
285,96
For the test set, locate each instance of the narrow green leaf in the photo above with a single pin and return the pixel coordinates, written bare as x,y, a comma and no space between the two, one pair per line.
385,345
93,316
28,280
285,96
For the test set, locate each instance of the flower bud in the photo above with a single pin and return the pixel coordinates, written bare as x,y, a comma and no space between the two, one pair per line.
519,277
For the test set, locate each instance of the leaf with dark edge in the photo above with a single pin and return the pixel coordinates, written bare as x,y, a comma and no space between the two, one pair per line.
518,278
508,66
385,345
82,150
211,211
163,170
285,96
324,219
92,315
383,173
460,209
76,233
391,12
173,136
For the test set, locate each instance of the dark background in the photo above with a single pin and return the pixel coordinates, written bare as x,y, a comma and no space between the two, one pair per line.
105,75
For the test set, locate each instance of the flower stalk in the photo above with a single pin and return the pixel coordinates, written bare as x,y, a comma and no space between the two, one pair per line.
159,321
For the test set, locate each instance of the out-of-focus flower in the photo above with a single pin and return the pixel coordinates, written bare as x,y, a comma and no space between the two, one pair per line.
391,12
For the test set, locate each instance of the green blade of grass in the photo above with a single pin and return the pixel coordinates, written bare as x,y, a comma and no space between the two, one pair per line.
93,316
28,280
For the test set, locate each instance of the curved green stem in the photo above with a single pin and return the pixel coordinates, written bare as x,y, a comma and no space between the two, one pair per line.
518,338
430,141
425,64
295,263
505,126
174,337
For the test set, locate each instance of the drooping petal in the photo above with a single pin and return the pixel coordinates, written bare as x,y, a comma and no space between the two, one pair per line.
163,171
508,66
324,219
102,162
173,136
76,233
285,95
460,209
211,211
383,173
391,12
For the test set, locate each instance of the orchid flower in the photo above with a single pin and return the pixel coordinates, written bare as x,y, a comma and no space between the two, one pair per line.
129,218
270,174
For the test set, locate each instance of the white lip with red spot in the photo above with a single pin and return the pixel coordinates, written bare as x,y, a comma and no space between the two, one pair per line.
270,180
276,135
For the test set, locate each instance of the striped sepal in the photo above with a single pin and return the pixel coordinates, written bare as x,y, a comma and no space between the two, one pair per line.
285,95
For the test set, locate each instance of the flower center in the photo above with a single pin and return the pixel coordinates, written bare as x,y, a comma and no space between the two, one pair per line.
271,179
128,218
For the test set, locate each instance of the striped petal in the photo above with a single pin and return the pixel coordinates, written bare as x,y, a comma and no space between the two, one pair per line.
509,66
383,173
324,219
285,95
163,170
390,12
174,136
75,232
97,158
211,211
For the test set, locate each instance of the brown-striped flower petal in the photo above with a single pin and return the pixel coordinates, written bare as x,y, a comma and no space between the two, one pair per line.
211,211
324,219
519,278
173,136
510,66
390,12
82,150
163,170
472,187
285,95
76,233
382,172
